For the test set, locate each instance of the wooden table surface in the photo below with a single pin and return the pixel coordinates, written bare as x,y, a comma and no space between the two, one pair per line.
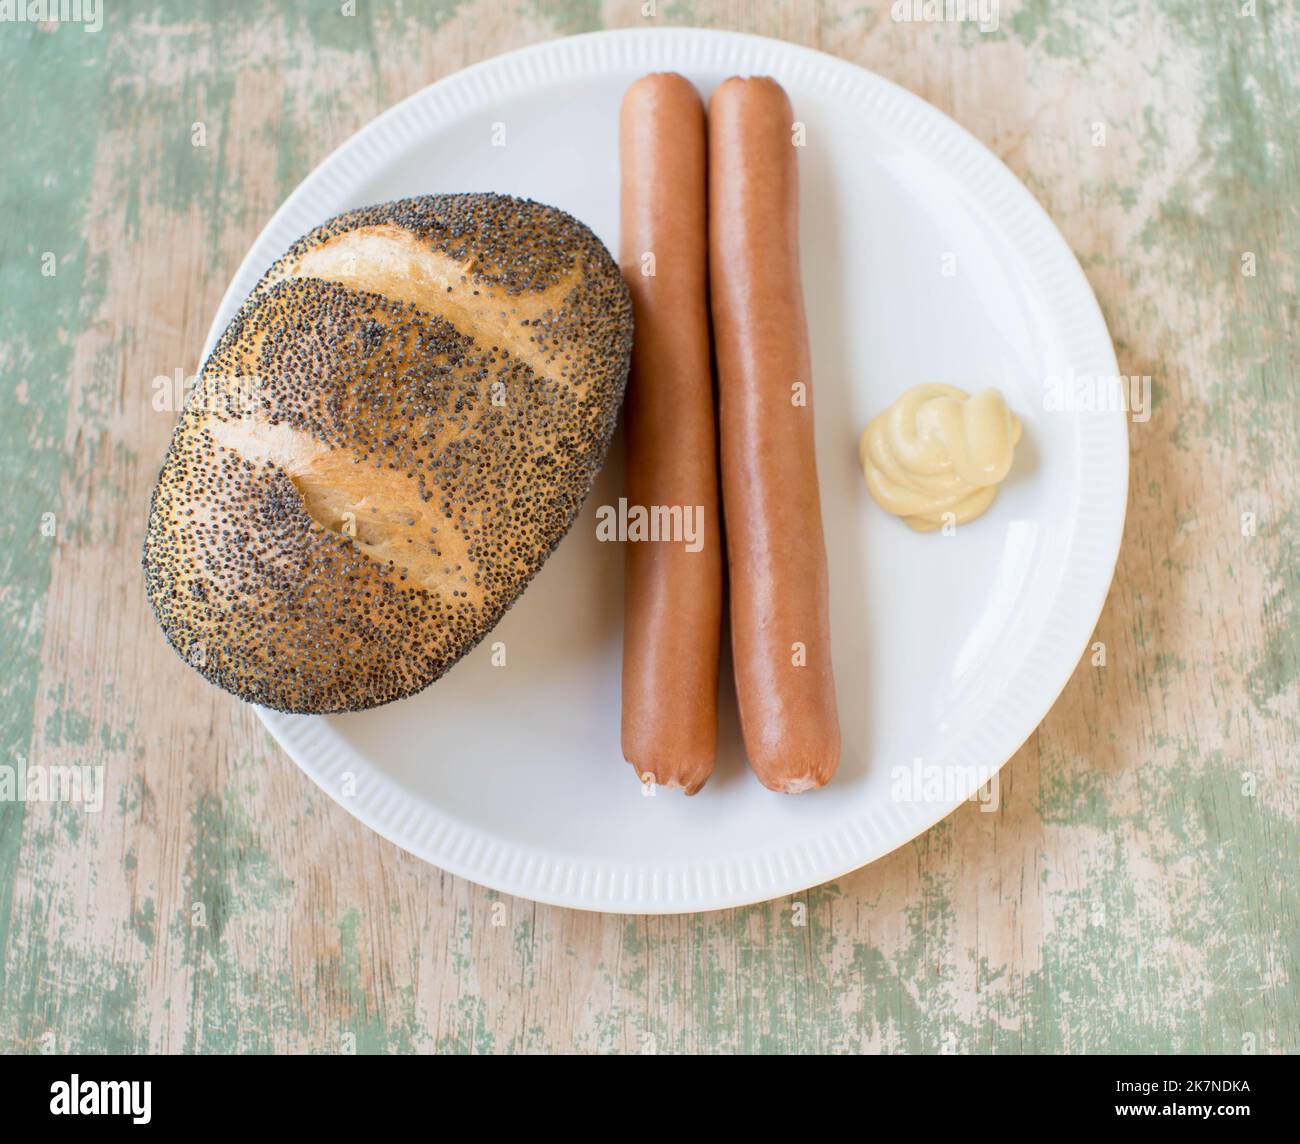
1137,888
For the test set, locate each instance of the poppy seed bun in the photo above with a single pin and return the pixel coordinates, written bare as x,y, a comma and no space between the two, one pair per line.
390,437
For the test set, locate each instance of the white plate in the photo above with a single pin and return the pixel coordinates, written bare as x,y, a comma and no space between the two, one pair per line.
948,650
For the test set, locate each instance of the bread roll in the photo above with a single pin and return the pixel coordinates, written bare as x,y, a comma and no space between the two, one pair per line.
391,436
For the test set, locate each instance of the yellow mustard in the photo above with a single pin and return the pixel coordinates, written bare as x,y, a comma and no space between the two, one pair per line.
937,454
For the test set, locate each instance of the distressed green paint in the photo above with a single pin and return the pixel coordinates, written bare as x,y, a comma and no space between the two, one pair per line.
230,871
1242,200
375,1028
144,923
48,145
1070,33
231,877
1277,670
1151,850
569,17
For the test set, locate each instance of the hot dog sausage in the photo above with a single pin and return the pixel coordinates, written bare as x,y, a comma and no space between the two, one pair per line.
780,623
673,609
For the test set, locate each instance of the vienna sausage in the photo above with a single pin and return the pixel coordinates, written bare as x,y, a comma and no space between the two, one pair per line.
780,623
673,585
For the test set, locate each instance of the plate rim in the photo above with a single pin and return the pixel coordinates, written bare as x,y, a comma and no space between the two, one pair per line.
550,878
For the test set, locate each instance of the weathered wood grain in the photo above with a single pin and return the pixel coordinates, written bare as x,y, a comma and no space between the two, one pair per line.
1137,889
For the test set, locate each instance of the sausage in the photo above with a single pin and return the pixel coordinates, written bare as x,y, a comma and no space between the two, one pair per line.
673,596
776,554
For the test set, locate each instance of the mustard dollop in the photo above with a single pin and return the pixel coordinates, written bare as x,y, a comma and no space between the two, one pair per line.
938,451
